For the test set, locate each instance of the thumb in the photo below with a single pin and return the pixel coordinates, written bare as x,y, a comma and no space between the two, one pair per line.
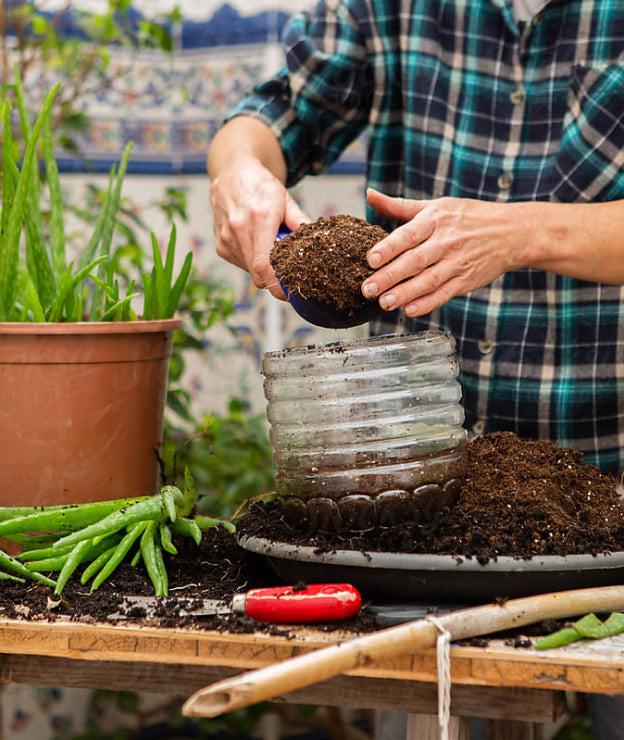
294,216
399,209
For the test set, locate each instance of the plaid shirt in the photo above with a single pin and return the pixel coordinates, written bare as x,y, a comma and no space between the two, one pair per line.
458,100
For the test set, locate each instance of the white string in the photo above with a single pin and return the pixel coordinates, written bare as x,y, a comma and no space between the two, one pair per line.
443,656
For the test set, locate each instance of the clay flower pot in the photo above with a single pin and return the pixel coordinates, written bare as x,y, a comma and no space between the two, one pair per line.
81,409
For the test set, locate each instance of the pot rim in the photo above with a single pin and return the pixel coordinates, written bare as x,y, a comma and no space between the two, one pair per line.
90,327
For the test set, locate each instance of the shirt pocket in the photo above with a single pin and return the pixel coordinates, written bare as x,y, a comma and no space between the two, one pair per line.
589,165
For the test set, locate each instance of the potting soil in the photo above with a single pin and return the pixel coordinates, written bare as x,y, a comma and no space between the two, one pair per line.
326,260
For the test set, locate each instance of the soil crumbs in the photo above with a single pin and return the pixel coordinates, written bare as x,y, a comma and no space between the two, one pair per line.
217,569
519,499
326,260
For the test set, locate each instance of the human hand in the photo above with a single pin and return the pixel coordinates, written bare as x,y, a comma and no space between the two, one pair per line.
250,204
446,248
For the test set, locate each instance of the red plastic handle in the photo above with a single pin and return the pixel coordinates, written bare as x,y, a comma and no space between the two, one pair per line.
324,602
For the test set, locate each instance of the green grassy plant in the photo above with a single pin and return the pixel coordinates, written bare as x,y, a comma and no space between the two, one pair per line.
37,282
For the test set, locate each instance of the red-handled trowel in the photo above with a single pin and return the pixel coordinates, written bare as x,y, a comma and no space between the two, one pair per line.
326,602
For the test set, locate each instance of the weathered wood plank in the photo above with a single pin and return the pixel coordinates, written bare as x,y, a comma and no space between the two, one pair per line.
344,691
587,667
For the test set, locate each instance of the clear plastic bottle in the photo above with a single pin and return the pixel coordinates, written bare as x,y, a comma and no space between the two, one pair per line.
367,433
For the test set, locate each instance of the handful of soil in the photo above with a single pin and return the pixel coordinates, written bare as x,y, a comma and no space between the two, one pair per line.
325,261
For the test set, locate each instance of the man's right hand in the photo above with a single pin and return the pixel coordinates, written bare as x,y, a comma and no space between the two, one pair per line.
249,199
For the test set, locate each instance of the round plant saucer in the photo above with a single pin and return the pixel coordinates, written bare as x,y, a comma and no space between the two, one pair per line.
407,577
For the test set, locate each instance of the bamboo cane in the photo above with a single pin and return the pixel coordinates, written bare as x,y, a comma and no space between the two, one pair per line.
266,683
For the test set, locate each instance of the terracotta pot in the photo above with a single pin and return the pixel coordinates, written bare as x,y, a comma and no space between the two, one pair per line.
81,409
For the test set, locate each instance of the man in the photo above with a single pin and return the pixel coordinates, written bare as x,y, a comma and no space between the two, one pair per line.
497,148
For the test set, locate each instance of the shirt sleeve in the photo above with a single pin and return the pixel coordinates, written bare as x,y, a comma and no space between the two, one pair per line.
319,102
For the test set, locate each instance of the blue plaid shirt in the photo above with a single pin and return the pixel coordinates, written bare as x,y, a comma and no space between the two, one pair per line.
458,100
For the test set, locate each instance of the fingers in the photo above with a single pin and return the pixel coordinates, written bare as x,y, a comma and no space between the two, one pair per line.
262,239
399,209
405,237
426,290
249,207
436,299
294,216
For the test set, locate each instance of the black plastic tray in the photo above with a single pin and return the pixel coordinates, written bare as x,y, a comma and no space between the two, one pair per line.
438,578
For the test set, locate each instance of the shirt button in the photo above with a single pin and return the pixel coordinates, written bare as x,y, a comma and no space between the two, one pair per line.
518,96
504,181
478,427
485,346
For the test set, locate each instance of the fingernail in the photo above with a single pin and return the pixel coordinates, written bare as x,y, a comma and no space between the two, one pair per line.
374,260
387,302
370,290
411,309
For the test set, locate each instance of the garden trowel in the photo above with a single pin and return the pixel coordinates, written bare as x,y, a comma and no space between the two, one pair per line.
327,602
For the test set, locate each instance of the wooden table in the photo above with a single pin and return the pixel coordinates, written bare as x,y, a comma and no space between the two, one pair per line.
499,682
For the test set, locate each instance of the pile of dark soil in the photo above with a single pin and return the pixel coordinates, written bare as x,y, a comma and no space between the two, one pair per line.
519,499
326,260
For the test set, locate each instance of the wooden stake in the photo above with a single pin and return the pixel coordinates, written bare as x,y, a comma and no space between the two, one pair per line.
296,673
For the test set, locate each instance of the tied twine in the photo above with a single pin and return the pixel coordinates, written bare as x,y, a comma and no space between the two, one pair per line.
443,657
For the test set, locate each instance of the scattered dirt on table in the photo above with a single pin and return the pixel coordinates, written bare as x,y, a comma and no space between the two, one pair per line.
326,260
519,498
217,569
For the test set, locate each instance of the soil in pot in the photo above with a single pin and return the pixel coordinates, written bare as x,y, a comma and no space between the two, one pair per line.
325,260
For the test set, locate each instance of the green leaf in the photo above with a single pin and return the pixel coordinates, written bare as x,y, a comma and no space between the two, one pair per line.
34,304
108,228
69,283
158,280
9,248
116,308
37,260
8,181
37,257
588,627
57,230
179,285
91,248
128,701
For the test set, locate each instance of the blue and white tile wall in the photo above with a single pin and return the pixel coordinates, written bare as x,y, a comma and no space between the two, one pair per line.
170,107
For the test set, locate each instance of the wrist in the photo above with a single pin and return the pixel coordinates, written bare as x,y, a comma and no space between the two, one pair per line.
246,142
548,233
